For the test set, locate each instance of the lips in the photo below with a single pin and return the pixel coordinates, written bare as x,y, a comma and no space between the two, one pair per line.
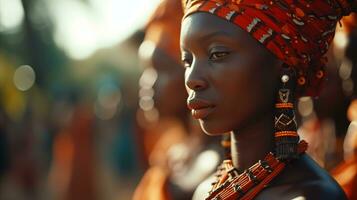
200,109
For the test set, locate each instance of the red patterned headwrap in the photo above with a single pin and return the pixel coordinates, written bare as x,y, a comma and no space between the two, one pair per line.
297,32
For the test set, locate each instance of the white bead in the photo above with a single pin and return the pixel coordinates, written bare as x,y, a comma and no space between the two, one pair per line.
285,78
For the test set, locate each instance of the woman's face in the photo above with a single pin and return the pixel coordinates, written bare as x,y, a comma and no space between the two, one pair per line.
162,85
231,79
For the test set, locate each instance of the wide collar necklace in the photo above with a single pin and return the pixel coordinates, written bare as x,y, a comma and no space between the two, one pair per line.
232,185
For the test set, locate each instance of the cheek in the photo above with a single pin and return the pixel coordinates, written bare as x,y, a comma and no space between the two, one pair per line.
244,93
235,86
229,88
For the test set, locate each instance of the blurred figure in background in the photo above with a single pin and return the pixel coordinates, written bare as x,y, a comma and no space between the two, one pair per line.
177,150
162,78
54,148
72,173
325,117
346,172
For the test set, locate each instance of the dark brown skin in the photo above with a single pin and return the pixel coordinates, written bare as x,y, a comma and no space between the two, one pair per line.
231,71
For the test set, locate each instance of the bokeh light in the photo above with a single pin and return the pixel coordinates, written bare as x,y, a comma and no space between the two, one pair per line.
345,69
24,77
350,142
148,78
305,106
11,14
340,40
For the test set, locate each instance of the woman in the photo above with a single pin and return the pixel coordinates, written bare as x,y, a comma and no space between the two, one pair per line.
245,61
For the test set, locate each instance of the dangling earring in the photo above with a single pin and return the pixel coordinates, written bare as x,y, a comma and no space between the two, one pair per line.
286,137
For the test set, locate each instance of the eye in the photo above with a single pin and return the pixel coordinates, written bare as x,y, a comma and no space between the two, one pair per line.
218,55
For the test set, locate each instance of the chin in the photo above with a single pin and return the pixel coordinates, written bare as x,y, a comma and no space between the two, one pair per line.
213,129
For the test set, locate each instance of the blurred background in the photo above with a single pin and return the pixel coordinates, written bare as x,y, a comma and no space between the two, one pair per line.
69,95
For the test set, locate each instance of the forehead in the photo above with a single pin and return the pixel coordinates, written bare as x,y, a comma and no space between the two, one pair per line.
201,26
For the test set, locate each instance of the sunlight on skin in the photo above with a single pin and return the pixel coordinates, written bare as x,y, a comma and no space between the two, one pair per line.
299,198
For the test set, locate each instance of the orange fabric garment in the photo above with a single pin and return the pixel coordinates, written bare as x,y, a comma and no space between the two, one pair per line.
72,174
346,172
350,23
153,184
346,175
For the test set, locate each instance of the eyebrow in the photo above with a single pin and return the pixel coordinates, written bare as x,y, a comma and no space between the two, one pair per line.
204,37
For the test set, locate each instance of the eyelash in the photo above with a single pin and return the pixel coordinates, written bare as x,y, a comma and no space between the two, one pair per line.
218,55
214,56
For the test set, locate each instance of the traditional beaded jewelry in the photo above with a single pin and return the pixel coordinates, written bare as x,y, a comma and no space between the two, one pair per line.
286,137
231,185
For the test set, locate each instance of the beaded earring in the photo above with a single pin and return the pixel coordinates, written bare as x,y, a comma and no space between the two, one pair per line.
286,137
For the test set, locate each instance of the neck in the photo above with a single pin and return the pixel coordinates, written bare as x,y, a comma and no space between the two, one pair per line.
252,143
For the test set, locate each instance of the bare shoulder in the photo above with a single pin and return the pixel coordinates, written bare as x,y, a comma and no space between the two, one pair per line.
322,190
318,184
303,180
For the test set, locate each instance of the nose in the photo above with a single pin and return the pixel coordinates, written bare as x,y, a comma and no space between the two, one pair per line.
195,78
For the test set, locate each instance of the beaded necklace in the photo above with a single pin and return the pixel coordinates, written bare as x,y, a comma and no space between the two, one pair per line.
232,185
